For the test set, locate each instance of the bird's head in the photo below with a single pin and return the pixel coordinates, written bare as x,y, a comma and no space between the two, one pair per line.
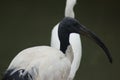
70,25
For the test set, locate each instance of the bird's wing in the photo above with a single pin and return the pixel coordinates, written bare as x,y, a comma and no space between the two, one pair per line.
39,63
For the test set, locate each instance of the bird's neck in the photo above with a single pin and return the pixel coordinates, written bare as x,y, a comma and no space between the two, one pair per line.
64,39
69,8
64,43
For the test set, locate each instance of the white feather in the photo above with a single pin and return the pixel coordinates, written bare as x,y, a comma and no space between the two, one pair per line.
76,49
75,42
54,37
69,12
43,63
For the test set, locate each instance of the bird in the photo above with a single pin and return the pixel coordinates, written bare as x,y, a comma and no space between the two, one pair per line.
75,40
49,62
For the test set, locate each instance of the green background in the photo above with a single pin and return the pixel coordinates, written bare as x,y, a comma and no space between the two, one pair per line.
27,23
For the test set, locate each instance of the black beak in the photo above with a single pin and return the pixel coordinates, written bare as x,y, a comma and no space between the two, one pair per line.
86,32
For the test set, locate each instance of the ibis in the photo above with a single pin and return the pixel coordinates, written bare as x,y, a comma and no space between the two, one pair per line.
74,39
55,62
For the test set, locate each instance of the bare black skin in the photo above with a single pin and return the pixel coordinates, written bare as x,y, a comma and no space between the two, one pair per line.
70,25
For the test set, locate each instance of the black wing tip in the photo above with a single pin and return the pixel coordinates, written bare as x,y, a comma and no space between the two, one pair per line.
17,75
7,74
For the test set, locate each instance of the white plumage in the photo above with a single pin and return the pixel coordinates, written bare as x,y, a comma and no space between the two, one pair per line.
43,63
69,12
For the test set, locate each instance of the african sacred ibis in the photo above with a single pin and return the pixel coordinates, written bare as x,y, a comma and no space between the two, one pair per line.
74,39
49,63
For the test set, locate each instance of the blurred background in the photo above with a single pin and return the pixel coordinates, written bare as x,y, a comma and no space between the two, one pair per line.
27,23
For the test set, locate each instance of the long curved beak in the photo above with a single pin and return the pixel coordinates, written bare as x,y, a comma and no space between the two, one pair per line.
86,32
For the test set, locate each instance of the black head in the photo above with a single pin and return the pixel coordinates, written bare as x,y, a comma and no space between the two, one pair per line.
70,25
